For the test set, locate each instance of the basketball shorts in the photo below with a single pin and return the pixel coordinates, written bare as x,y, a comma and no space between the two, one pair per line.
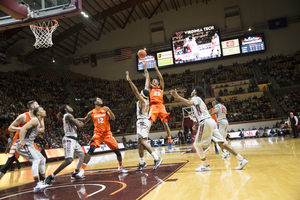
223,127
107,138
158,110
143,127
72,148
208,131
30,152
13,150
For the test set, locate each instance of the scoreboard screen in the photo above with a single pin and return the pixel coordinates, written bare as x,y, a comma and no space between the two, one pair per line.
150,62
164,58
253,43
196,45
231,47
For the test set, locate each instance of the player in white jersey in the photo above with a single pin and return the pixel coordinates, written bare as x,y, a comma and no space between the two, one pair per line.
207,128
70,143
215,40
192,44
143,124
220,111
26,148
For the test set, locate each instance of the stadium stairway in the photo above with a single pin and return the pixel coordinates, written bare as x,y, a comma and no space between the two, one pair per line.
274,82
257,71
200,82
71,90
132,103
277,107
132,120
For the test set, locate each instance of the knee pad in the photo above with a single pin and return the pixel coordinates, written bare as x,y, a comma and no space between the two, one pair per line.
92,149
117,152
68,161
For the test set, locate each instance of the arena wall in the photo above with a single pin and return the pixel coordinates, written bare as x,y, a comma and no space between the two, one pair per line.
253,14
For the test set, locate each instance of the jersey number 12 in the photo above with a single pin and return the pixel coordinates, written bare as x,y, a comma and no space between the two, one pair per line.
100,121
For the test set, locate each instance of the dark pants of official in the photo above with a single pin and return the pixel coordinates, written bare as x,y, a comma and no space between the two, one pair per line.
9,164
295,131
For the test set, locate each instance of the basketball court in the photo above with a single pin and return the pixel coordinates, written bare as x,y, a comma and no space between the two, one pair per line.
272,173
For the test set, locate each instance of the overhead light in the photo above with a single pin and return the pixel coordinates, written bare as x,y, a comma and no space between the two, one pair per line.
85,15
249,29
53,60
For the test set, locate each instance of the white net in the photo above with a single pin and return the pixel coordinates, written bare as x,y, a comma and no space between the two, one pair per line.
43,33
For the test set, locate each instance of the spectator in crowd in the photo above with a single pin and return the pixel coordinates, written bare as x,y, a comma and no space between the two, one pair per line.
241,135
273,133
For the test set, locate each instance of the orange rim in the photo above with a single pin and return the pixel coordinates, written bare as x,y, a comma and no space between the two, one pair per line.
56,23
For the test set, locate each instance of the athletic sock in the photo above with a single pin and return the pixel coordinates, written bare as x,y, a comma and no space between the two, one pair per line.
52,175
142,160
239,157
120,164
169,139
154,155
83,166
205,163
36,180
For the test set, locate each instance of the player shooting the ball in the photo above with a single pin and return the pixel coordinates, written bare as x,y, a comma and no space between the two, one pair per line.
157,108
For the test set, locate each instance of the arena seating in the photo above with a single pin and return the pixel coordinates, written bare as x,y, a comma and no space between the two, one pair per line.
285,69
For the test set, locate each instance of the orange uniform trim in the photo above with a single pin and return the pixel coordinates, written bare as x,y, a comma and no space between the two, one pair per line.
213,116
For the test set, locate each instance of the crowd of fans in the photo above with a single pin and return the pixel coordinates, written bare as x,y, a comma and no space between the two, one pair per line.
290,102
19,87
115,94
285,69
238,89
255,108
224,74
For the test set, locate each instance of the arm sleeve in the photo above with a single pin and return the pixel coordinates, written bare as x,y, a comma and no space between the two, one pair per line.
296,118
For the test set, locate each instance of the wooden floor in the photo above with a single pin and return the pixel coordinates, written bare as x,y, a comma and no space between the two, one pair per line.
273,172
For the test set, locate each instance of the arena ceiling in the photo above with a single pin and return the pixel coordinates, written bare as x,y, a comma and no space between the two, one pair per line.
105,16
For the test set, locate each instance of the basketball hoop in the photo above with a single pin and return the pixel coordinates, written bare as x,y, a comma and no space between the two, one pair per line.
43,33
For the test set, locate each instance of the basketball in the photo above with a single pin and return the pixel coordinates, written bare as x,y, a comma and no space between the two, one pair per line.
142,53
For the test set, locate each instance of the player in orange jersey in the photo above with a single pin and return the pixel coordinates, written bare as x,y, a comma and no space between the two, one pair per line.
100,115
214,118
16,126
157,108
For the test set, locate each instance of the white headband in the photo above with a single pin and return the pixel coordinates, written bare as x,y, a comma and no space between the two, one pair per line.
142,93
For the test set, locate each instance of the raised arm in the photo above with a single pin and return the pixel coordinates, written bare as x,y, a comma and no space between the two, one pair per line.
181,99
146,74
32,123
110,113
162,83
73,121
135,90
14,126
86,119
